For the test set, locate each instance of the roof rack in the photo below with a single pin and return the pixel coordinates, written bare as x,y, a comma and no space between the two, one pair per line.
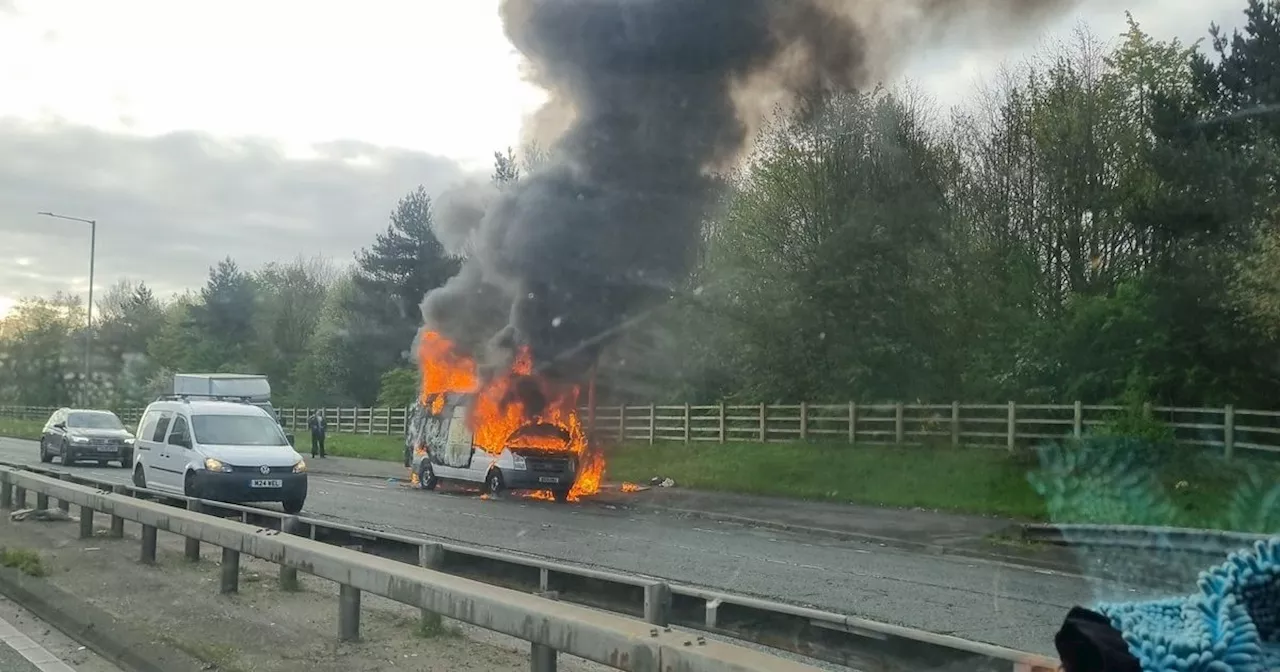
205,397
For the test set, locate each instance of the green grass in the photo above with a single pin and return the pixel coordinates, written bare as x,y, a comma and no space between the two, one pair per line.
24,560
966,480
21,429
364,446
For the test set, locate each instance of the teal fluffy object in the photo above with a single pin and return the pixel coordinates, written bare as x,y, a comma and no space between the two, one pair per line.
1231,625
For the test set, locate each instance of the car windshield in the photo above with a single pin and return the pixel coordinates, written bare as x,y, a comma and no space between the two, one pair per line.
237,430
94,420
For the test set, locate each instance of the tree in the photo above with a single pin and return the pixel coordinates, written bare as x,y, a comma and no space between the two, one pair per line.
291,298
41,351
223,319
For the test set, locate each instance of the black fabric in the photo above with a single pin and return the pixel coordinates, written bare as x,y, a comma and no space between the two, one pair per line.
1088,643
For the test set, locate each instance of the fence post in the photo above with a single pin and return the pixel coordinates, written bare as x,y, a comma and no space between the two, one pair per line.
688,425
1013,426
1077,422
723,433
804,421
955,424
1228,431
899,429
1146,410
764,431
622,423
853,422
653,421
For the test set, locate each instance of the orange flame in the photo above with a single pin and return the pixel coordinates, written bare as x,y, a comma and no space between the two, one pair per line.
630,487
498,409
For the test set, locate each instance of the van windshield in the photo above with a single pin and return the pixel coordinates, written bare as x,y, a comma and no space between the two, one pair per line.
237,430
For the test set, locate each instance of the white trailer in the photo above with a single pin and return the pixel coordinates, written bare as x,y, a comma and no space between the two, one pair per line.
250,387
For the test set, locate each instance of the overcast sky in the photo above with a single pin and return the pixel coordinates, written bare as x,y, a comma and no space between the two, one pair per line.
198,129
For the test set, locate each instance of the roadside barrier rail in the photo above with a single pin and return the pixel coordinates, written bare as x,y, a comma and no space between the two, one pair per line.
561,588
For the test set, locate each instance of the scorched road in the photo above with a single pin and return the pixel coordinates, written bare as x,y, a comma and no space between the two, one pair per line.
998,603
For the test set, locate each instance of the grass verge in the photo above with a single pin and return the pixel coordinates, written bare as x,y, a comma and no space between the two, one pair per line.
1199,485
24,560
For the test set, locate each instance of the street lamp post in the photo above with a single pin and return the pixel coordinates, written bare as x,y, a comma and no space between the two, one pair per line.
88,330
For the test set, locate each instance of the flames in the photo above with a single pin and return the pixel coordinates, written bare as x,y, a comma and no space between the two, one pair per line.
509,401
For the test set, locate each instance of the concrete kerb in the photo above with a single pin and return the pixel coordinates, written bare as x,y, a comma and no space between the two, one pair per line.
1142,538
602,637
103,633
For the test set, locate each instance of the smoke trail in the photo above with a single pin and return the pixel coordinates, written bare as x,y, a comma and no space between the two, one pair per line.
647,99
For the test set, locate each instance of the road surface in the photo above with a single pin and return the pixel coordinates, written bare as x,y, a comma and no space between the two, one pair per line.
992,602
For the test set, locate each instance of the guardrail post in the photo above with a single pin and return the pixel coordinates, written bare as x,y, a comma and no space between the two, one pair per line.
6,491
431,556
657,603
1228,431
542,658
19,497
348,613
117,523
289,575
191,547
148,545
42,500
229,582
86,522
62,503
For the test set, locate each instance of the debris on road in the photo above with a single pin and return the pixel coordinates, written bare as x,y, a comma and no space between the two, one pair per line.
48,515
660,482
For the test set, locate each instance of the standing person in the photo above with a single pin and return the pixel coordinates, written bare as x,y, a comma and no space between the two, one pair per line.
318,429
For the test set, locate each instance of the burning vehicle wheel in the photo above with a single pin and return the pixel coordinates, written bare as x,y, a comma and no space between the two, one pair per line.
494,483
561,496
427,476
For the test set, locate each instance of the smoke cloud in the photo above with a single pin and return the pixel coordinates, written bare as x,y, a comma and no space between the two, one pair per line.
648,98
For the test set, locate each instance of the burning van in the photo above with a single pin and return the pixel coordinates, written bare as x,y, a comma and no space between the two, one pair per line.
535,457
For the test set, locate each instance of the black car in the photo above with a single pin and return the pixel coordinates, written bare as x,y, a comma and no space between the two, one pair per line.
80,435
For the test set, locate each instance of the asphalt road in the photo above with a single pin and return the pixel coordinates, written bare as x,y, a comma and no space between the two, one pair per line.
992,602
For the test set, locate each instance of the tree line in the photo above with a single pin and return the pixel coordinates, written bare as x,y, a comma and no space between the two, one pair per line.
1097,223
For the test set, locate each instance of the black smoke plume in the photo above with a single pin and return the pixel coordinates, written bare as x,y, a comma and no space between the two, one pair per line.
648,99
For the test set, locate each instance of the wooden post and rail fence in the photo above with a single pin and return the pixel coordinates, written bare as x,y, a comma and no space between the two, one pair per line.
1008,426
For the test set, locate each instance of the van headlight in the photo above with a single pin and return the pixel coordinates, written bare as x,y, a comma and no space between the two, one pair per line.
300,467
129,441
215,465
517,462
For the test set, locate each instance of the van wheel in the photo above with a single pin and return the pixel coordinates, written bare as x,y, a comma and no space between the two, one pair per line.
427,476
292,506
493,484
189,486
139,477
561,496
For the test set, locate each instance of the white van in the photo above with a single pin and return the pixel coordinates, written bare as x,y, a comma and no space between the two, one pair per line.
220,450
534,457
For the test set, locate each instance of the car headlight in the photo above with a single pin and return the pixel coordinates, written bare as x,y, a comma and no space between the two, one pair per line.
129,441
517,462
300,467
215,465
79,439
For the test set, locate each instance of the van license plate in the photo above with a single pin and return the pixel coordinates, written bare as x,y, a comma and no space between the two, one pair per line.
548,479
265,483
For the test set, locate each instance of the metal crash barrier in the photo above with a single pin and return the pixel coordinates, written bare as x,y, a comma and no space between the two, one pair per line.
476,585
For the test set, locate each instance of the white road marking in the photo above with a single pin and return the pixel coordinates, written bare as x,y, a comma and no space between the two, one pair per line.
34,653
